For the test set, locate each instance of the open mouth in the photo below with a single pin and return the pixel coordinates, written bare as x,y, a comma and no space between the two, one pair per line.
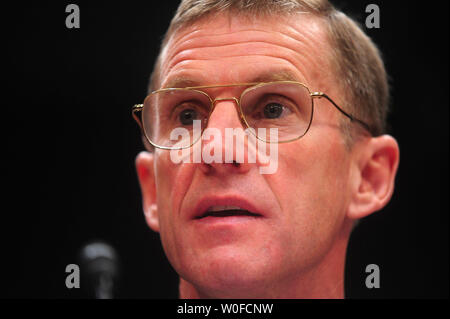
226,211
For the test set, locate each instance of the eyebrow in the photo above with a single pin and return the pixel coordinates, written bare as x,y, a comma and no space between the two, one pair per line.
270,76
265,76
181,82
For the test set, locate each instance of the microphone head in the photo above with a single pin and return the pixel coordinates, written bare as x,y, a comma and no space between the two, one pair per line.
100,264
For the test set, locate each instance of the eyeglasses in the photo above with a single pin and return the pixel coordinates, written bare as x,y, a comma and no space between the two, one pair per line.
285,105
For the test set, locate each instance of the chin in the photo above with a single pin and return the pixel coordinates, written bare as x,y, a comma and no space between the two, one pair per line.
229,273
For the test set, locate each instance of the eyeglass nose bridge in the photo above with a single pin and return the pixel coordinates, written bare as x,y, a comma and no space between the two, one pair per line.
237,105
219,99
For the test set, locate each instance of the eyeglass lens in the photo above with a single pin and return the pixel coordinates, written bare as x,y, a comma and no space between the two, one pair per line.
177,117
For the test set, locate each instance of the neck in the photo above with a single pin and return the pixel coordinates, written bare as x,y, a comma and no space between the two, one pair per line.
324,280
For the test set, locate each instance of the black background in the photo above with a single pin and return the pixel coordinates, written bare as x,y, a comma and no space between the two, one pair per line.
70,143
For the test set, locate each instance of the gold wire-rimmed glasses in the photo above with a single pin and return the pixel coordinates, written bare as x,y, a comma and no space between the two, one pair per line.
285,105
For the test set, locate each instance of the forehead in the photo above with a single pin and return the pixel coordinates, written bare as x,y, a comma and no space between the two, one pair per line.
226,48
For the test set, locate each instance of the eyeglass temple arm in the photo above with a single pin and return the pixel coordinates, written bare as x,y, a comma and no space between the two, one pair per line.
351,117
137,108
134,112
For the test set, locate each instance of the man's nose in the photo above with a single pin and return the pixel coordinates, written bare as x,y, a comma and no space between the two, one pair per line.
225,134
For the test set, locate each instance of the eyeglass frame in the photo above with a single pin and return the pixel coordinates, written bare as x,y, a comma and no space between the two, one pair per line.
251,86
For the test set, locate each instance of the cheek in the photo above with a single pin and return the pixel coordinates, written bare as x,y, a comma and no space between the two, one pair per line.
309,171
309,185
172,182
166,177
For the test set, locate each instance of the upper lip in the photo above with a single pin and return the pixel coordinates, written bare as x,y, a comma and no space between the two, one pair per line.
215,203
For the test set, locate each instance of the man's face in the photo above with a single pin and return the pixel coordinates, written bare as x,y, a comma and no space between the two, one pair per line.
302,205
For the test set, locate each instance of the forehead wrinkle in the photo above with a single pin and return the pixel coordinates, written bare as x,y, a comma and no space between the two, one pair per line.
235,49
209,37
195,40
301,47
294,62
184,76
289,26
256,35
182,81
291,51
197,27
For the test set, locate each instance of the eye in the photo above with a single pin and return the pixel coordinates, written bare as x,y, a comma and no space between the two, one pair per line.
187,116
273,110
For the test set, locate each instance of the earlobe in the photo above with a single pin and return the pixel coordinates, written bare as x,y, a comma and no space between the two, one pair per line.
151,216
376,170
146,176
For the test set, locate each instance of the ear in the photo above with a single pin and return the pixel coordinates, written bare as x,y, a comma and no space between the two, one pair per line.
374,175
146,175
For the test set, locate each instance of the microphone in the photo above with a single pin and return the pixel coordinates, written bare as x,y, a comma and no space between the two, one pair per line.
100,264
